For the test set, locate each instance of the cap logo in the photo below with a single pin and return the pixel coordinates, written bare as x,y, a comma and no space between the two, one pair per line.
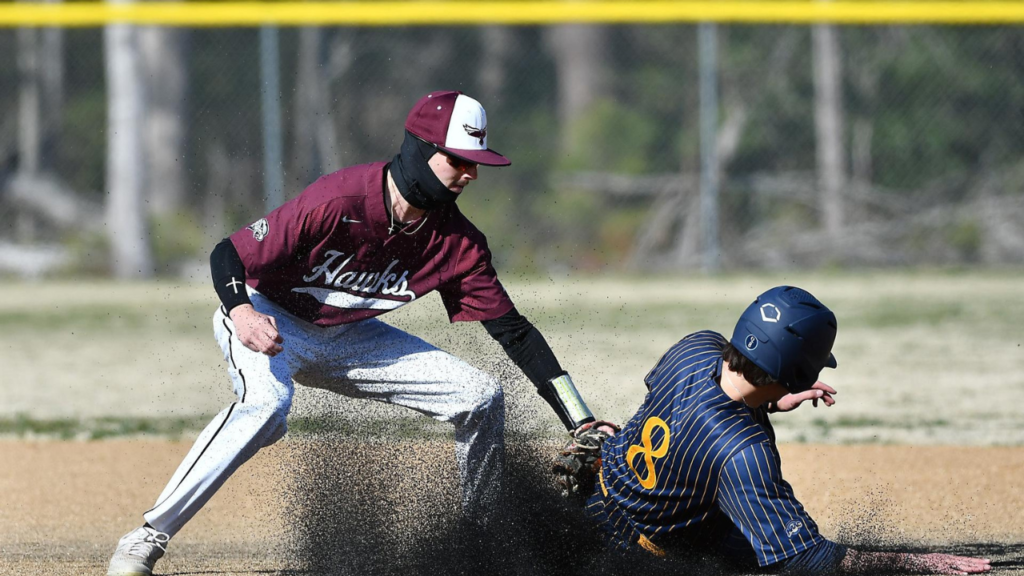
479,133
751,342
770,313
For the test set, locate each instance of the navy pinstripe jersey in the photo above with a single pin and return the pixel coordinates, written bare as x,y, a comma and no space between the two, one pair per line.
692,460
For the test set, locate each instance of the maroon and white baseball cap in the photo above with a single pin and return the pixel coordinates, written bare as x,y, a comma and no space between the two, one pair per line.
456,124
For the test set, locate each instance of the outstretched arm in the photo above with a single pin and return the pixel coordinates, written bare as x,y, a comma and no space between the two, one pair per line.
818,391
753,494
525,345
860,562
833,559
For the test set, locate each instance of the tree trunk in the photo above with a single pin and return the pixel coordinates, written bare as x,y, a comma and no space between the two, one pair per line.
498,43
218,190
579,54
865,74
52,80
163,59
30,128
127,229
334,139
29,122
863,131
317,150
41,72
304,156
828,117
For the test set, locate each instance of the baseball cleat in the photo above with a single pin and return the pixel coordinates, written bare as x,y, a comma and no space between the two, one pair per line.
137,552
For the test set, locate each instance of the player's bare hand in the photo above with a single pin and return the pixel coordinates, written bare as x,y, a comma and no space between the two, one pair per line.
609,428
818,391
257,331
947,564
872,563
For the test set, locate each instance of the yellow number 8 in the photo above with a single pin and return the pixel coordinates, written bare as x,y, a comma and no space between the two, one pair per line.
648,451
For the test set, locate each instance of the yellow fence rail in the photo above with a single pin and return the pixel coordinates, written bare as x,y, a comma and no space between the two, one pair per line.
453,12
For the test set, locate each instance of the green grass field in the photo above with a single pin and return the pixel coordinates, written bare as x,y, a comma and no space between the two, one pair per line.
925,357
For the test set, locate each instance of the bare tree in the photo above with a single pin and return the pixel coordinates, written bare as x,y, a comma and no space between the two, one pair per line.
496,49
41,73
865,73
51,74
29,121
828,119
127,228
579,51
317,141
29,102
163,60
306,97
741,88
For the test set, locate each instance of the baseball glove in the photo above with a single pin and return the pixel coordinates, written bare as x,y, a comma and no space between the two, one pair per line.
577,464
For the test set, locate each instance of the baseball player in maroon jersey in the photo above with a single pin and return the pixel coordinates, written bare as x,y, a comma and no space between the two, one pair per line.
301,290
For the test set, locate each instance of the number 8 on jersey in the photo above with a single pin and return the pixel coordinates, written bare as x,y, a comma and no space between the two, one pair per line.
648,451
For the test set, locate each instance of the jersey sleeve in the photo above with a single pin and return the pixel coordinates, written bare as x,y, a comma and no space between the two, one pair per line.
822,558
761,504
282,235
474,293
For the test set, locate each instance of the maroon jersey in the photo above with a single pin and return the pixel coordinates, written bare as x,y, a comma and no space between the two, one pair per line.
327,256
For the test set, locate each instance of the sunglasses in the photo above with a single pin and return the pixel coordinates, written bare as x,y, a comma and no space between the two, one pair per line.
459,163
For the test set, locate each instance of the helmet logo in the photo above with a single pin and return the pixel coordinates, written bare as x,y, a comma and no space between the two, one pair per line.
769,313
793,527
751,342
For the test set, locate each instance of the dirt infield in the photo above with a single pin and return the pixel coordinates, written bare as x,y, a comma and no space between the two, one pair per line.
928,360
64,504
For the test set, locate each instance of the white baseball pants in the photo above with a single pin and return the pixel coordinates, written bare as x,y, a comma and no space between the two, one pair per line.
367,359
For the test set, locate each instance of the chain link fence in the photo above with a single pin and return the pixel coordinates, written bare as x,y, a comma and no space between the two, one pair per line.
833,146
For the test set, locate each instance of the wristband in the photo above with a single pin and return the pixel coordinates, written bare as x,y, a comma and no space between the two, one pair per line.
228,274
569,400
231,291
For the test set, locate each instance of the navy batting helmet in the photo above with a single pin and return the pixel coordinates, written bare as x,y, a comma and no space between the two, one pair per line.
789,334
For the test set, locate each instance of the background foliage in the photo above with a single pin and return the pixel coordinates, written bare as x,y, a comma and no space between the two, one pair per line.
932,135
